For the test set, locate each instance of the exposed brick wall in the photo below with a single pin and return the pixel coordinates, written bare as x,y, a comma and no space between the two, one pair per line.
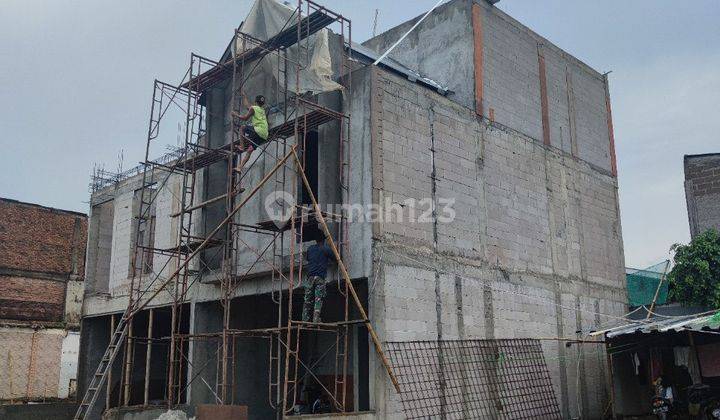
35,238
41,249
31,299
702,192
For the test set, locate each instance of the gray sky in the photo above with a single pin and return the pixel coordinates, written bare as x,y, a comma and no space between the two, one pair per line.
76,82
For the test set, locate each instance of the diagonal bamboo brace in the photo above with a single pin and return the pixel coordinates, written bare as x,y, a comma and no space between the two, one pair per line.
346,276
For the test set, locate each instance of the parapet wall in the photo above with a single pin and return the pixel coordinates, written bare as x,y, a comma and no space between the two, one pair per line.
510,75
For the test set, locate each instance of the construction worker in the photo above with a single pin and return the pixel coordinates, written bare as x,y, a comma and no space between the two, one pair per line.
318,257
255,133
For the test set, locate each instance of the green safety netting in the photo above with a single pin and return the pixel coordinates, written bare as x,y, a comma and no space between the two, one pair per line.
642,284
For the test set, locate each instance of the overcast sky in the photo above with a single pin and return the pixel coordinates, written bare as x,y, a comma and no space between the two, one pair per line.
76,82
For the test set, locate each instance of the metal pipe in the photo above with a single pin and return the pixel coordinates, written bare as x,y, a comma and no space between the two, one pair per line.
406,34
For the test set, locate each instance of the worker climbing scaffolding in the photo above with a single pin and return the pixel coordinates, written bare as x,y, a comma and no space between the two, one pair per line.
255,133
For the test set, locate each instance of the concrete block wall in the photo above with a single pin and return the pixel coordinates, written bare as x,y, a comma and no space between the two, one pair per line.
534,250
112,226
167,203
515,63
513,71
122,248
511,79
702,192
99,249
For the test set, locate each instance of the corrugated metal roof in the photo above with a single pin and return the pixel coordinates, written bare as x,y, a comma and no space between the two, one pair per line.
697,322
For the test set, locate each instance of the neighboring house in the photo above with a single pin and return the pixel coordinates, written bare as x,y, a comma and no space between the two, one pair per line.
520,139
42,260
702,192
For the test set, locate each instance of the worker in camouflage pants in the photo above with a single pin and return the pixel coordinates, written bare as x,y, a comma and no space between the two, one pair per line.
318,257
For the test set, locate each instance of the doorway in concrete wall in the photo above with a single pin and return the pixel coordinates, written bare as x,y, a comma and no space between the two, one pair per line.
318,377
311,160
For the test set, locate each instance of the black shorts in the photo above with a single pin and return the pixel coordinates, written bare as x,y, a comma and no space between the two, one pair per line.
255,139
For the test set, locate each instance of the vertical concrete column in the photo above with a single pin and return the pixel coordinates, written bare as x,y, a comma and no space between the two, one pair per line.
478,51
543,95
611,134
572,116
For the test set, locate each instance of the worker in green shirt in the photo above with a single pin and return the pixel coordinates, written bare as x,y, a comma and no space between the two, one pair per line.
256,132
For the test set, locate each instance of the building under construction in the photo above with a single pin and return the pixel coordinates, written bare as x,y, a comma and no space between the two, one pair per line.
465,178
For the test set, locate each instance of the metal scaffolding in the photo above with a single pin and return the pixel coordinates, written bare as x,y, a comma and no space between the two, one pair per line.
186,261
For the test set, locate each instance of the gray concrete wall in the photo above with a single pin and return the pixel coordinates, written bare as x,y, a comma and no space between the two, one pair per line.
702,192
534,249
442,47
535,245
94,339
122,248
100,228
49,411
439,48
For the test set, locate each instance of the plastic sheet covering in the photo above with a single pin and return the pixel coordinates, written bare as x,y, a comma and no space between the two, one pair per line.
266,19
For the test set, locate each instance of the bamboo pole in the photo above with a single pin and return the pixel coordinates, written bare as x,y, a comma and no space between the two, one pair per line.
108,390
611,378
148,355
199,205
129,356
31,368
346,277
657,291
10,377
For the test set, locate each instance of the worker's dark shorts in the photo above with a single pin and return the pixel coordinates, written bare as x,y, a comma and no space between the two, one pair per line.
255,139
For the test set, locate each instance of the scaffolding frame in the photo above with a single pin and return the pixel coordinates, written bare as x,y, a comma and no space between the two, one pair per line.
300,115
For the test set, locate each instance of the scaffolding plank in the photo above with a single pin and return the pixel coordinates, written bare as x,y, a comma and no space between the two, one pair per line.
279,225
309,121
309,25
191,246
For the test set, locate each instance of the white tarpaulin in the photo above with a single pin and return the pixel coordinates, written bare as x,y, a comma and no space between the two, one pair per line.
266,19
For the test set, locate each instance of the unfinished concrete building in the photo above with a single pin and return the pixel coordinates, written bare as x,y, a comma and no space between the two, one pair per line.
42,257
702,192
491,245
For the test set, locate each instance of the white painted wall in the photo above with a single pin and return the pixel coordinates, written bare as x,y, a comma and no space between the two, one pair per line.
68,364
